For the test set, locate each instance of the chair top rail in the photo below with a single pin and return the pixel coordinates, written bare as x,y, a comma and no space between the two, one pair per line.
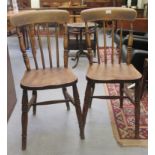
109,13
39,16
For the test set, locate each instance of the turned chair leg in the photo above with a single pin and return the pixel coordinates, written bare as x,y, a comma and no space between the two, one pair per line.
78,110
24,118
121,94
137,109
34,106
87,100
64,90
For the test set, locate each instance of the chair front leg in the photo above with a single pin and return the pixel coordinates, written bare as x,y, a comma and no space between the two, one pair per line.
24,118
137,108
87,101
78,110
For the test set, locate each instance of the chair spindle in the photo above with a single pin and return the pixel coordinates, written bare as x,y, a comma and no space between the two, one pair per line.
23,49
112,55
30,30
104,33
49,45
65,46
97,47
130,43
89,44
57,44
120,45
40,46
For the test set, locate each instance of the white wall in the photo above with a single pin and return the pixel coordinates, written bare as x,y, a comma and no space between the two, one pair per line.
35,3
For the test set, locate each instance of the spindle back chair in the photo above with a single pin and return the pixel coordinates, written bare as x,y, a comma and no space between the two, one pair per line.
41,75
113,70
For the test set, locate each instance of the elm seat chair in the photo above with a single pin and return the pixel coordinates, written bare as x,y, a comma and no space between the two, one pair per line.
53,76
113,71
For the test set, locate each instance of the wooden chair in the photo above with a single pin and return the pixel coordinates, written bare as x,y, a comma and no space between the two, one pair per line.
113,71
50,76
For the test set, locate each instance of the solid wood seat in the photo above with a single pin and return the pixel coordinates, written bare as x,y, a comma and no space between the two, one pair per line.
48,78
110,69
112,72
42,76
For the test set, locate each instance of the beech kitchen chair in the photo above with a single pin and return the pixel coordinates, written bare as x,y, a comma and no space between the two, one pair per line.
43,75
113,70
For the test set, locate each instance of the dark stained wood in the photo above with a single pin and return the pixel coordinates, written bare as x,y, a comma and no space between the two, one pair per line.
112,71
42,77
140,25
24,118
34,95
64,90
78,110
102,3
56,3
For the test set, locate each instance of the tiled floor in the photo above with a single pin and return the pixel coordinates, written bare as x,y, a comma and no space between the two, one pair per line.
54,130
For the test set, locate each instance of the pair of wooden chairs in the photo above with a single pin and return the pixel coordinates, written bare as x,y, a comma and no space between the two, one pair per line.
60,75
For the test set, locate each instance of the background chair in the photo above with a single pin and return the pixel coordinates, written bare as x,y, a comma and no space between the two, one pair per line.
113,71
139,51
125,32
48,76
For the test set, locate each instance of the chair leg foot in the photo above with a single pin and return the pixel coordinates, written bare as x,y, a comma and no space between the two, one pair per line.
34,110
78,110
24,119
82,135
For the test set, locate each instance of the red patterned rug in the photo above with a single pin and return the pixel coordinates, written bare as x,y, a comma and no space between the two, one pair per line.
122,120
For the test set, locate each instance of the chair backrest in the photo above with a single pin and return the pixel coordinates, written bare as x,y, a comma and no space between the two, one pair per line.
42,27
109,17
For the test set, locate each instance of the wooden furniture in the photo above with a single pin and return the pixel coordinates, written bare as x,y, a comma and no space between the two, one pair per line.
56,3
139,24
74,11
78,42
53,76
111,71
11,92
103,3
